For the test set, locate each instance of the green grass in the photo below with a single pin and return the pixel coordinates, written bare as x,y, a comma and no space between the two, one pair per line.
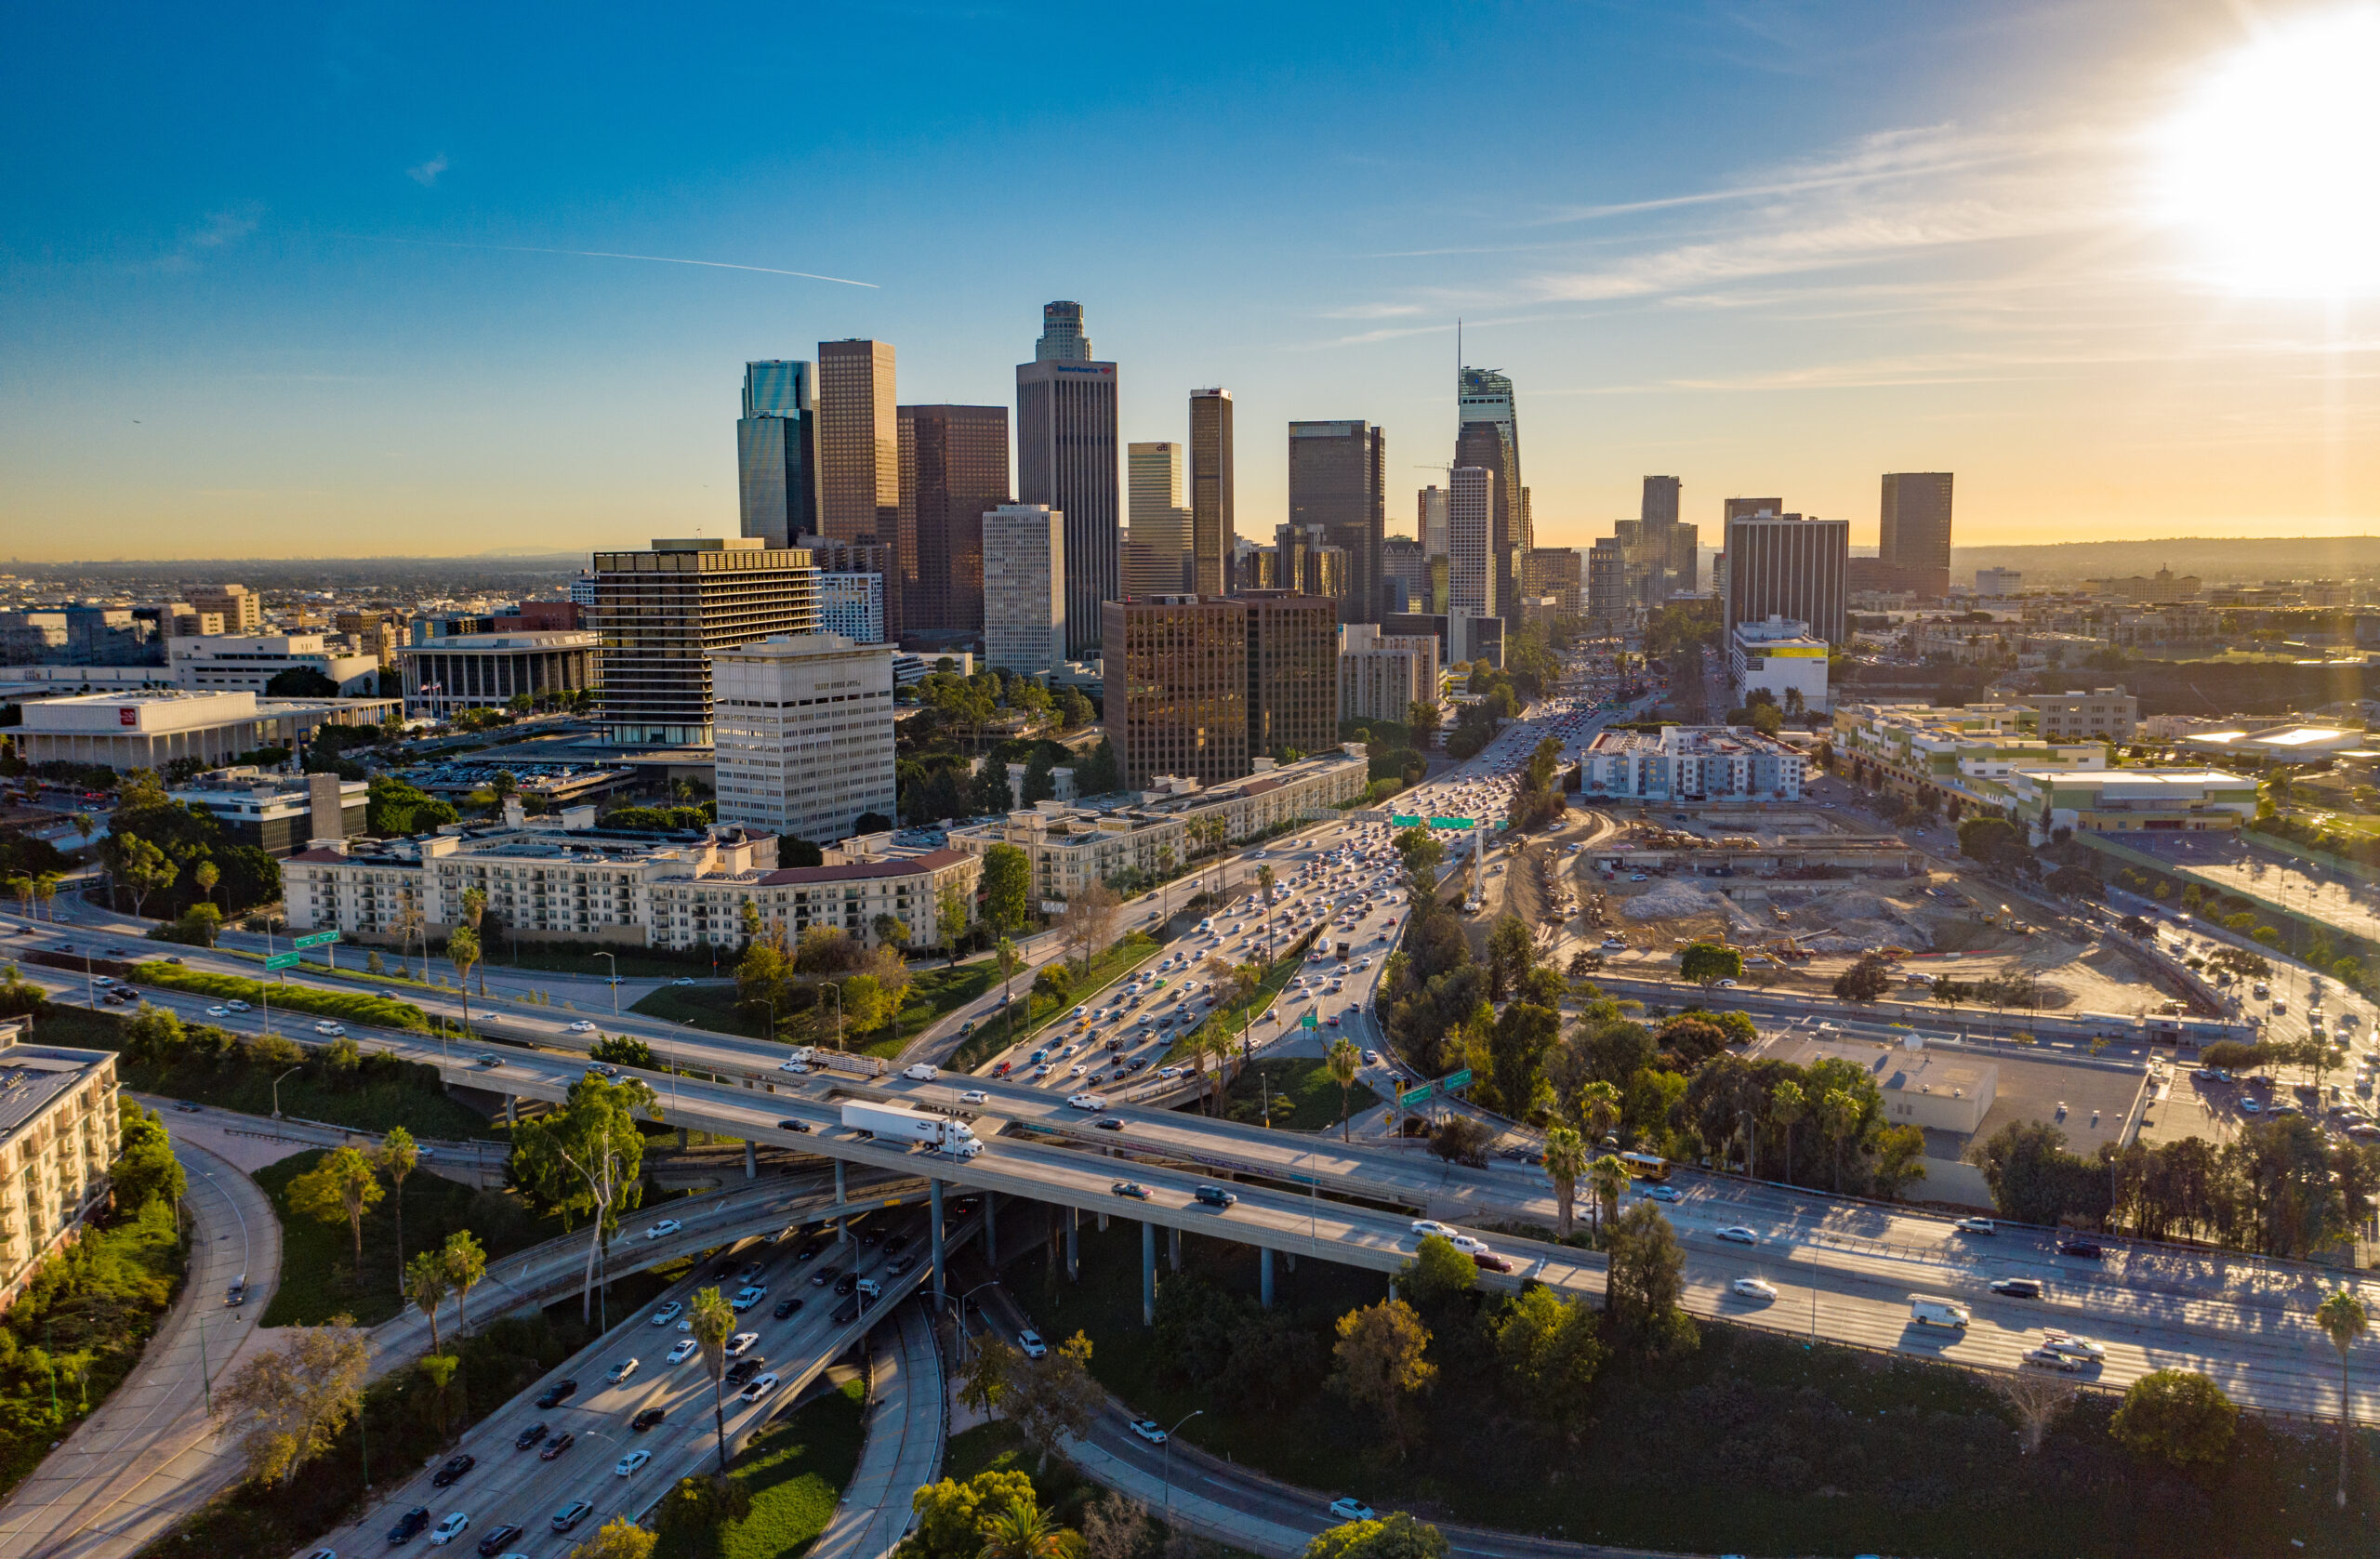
708,1006
715,1006
1304,1095
353,1007
999,1446
318,1274
795,1471
1041,1009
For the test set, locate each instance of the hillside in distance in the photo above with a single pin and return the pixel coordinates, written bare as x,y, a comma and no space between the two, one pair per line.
2217,560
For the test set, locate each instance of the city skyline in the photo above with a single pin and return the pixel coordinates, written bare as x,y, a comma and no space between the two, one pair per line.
375,295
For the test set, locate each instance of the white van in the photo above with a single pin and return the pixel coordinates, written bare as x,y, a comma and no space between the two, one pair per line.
1927,1311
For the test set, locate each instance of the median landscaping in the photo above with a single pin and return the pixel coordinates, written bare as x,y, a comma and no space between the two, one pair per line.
379,1012
793,1473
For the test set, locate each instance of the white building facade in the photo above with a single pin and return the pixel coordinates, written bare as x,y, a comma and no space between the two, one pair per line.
226,664
802,734
1024,589
851,605
1778,654
1382,677
1700,764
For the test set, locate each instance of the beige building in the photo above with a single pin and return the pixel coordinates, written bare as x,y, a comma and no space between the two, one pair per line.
1382,677
149,728
802,729
859,441
1157,550
230,661
460,671
240,608
664,612
59,1133
2101,715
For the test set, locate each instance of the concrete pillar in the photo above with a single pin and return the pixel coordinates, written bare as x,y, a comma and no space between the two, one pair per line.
1148,1274
843,1228
1103,1222
511,1109
933,1218
1290,1257
1074,1254
751,1163
1173,1248
991,1231
1265,1277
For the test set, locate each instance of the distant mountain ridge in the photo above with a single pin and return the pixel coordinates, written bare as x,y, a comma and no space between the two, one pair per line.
2217,560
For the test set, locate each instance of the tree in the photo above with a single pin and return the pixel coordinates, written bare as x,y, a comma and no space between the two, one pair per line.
2343,1319
148,1172
1866,980
463,951
2176,1416
951,1516
1566,1160
438,1370
1113,1526
300,682
982,1381
144,868
618,1538
952,908
1707,963
1524,1034
1511,952
1004,956
293,1400
1548,1346
396,1156
474,911
1089,925
1395,1536
1437,1275
1422,717
1994,841
1646,1284
1343,1060
426,1285
1264,879
1460,1139
342,1187
1608,1177
1024,1531
207,874
713,1322
466,1264
1054,1396
1378,1362
588,1157
1008,889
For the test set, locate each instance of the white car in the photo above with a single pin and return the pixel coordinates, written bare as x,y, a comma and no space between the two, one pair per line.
1087,1100
683,1349
1352,1509
1753,1288
668,1314
219,1011
1150,1430
762,1385
1736,1233
793,1067
2072,1347
449,1529
975,1096
630,1462
662,1230
582,1026
1029,1343
620,1372
1467,1245
1431,1226
329,1030
741,1344
920,1073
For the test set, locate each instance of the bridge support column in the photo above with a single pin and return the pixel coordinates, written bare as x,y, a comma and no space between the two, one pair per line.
511,1109
1073,1256
1148,1275
1290,1257
751,1162
842,1225
991,1230
1103,1222
934,1219
1265,1277
1173,1249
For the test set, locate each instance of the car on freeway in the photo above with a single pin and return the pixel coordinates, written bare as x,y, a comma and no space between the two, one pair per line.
447,1531
409,1524
2017,1288
218,1010
455,1467
2075,1347
2089,1250
826,1274
557,1393
555,1446
1975,1226
1150,1430
745,1298
1108,1123
630,1462
1352,1509
1132,1188
790,1124
2050,1358
323,1553
647,1419
662,1230
668,1314
1754,1289
1488,1261
741,1344
1215,1195
682,980
975,1096
1736,1233
582,1026
328,1030
784,1308
1087,1100
683,1349
1664,1193
904,1266
187,1106
921,1073
622,1370
570,1516
493,1545
1029,1343
762,1384
528,1437
237,1006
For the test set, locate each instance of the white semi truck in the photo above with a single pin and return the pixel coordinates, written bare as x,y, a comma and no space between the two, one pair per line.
897,1123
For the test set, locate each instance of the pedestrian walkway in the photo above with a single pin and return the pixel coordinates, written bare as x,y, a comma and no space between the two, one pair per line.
904,1447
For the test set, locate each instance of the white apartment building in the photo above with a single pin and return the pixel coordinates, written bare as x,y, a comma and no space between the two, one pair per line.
1778,654
1693,763
1382,677
802,734
853,605
225,663
59,1133
1024,589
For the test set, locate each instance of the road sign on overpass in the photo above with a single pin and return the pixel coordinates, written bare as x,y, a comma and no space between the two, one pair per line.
1420,1095
281,960
1454,1080
317,939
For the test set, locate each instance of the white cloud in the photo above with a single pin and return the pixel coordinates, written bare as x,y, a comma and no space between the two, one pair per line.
222,228
426,175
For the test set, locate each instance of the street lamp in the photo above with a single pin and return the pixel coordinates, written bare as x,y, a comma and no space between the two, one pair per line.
616,982
960,1302
276,1092
1168,1459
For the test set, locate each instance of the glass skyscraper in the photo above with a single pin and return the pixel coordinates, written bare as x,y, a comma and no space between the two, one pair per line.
776,451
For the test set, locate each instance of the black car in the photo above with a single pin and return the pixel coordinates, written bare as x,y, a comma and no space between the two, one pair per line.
2017,1288
557,1393
452,1471
790,1124
412,1522
1215,1195
1108,1123
893,1246
529,1436
848,1310
867,1301
870,1237
785,1307
906,1265
647,1419
743,1371
558,1444
2087,1250
846,1283
810,1250
825,1275
496,1541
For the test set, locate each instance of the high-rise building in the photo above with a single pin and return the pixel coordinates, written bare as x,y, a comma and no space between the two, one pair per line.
1025,598
240,608
1304,562
954,469
664,612
1744,508
1782,566
1175,693
1480,446
1339,481
1671,554
1485,395
1556,570
853,605
1614,587
1405,568
1471,580
804,744
1066,457
859,441
1157,557
1430,520
1211,519
1915,534
776,451
1659,505
1292,675
1382,677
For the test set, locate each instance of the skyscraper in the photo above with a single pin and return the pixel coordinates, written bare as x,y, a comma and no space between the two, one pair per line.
1480,446
859,441
1339,481
1782,566
1156,559
1175,695
1471,537
799,752
954,469
1065,458
1671,547
1915,532
776,454
1211,531
1661,502
1024,589
1430,521
1292,674
664,612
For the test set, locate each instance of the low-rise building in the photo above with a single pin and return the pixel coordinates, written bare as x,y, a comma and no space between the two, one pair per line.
2124,800
1956,759
447,674
1693,763
278,814
1777,656
151,727
231,663
59,1134
2100,714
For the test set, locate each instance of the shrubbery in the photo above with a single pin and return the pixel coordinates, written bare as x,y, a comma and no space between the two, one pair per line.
351,1006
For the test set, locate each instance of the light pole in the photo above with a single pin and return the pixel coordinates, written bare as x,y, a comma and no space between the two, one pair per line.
960,1301
1168,1459
276,1092
616,981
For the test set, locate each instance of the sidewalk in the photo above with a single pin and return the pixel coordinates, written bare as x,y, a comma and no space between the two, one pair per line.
903,1451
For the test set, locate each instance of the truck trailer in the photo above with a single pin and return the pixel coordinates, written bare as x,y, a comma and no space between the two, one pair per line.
897,1123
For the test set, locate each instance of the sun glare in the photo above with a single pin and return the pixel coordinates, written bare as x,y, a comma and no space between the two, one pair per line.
2273,167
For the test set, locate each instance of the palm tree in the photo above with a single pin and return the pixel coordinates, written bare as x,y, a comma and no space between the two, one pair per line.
1836,1111
425,1285
714,1321
1566,1157
1788,1106
46,889
398,1155
2342,1318
1598,1107
1608,1177
1265,887
22,887
462,951
465,1264
1004,955
475,905
207,874
1342,1059
410,924
1024,1531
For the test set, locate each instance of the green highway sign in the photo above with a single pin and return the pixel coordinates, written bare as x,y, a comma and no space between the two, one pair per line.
1399,820
1418,1095
316,940
281,960
1452,822
1453,1080
1309,1021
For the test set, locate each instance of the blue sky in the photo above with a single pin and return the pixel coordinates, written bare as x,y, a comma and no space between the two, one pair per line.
273,286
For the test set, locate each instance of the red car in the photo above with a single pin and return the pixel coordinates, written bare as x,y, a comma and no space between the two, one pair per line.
1488,1261
1001,1070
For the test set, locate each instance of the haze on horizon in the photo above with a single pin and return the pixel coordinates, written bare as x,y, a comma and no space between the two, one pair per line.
408,281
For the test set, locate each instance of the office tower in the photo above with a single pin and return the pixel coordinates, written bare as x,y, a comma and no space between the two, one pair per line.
1670,545
853,605
1430,520
1744,508
1025,588
1915,534
1659,505
1292,675
776,451
859,441
1156,557
664,612
1304,562
954,469
1211,531
1066,457
1612,590
804,746
1175,693
1481,446
1485,395
240,608
1339,481
1383,676
1470,540
1782,566
1403,562
1685,559
1554,571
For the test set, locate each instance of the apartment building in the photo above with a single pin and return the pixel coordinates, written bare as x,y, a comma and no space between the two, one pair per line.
1778,656
1696,764
59,1133
802,730
2101,715
1382,677
1957,759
